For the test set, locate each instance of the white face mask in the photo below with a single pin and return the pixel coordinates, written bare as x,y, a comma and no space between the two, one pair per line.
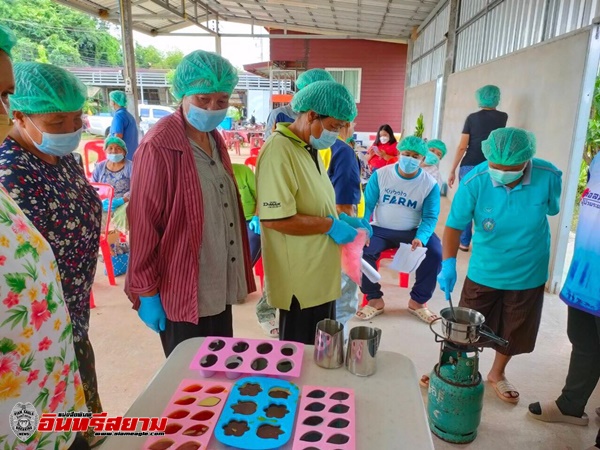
384,139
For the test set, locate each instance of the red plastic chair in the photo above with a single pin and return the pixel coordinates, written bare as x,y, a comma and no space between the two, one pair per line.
106,191
96,146
251,162
402,277
254,151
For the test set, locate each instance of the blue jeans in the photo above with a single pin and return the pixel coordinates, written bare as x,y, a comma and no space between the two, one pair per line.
467,234
254,241
426,274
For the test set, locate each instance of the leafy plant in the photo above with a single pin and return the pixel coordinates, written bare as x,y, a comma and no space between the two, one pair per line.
420,128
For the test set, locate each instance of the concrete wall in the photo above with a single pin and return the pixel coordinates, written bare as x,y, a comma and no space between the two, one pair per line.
541,92
419,100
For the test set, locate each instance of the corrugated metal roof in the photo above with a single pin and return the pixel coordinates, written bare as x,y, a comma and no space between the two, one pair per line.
386,19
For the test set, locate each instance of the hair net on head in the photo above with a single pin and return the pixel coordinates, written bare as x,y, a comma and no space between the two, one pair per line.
7,40
312,75
44,88
326,98
413,144
437,144
203,72
488,96
509,146
115,140
118,97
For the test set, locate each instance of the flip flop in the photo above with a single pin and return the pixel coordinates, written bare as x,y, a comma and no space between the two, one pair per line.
424,314
549,412
270,327
368,312
424,382
463,248
502,387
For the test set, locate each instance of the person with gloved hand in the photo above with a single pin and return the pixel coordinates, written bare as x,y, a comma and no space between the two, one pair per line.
301,231
509,198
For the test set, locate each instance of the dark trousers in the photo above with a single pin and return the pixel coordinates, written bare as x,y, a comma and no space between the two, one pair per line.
467,234
583,330
426,275
254,241
300,325
177,332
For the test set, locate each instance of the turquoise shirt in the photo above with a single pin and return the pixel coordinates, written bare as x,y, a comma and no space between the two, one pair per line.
511,243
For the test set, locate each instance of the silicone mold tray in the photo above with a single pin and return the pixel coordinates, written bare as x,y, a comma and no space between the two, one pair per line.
259,414
248,356
326,419
193,412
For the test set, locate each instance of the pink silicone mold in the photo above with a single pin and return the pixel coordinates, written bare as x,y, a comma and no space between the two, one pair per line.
235,357
326,419
193,413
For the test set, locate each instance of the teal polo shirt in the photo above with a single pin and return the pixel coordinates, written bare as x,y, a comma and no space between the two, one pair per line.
511,244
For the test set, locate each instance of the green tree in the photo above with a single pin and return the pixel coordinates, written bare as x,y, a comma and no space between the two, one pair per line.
172,59
148,57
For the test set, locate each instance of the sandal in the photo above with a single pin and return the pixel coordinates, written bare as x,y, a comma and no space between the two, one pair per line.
549,412
368,312
424,314
270,327
463,248
502,387
424,382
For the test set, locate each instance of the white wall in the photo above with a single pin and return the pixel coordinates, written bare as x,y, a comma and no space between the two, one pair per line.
259,104
541,92
418,100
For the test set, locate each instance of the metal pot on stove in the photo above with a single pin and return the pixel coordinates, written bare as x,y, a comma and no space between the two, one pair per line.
467,327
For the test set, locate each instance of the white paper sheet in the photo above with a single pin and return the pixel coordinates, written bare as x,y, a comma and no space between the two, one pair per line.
407,260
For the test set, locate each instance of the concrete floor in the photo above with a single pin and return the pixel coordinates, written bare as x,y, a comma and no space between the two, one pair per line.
128,354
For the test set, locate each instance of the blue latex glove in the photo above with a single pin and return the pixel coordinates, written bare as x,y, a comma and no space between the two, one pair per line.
447,276
105,205
117,202
152,313
355,222
254,225
341,232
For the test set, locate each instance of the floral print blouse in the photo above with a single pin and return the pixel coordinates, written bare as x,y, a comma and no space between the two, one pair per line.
37,360
67,211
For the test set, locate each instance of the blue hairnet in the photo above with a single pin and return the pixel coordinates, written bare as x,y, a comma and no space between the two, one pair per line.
115,140
509,146
203,72
312,75
488,96
413,144
437,144
118,97
326,98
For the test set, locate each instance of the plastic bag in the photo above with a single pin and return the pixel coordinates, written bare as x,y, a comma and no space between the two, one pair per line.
352,255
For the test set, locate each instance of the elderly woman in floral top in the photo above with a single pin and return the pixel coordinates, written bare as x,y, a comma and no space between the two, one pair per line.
39,172
37,359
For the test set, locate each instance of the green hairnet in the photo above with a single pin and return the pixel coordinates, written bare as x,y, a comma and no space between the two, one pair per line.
203,72
115,140
326,98
509,146
312,75
437,144
413,144
488,96
7,40
44,88
119,98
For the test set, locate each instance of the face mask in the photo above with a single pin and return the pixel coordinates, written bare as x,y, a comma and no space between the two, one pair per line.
205,120
57,144
115,157
432,159
6,126
326,140
504,176
408,164
384,140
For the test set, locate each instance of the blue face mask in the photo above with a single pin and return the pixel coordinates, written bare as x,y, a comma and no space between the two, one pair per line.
57,144
432,159
205,120
504,176
326,140
409,165
115,157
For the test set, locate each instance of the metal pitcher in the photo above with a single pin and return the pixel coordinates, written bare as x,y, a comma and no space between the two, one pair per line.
362,348
329,344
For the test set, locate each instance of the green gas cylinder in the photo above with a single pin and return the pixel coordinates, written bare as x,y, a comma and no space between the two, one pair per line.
455,398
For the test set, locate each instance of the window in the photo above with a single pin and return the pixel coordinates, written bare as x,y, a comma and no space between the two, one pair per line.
144,112
351,78
159,113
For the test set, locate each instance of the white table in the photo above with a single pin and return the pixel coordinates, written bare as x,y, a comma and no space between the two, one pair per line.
389,408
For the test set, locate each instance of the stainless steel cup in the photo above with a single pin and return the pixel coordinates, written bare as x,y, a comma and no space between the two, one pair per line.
329,344
362,349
